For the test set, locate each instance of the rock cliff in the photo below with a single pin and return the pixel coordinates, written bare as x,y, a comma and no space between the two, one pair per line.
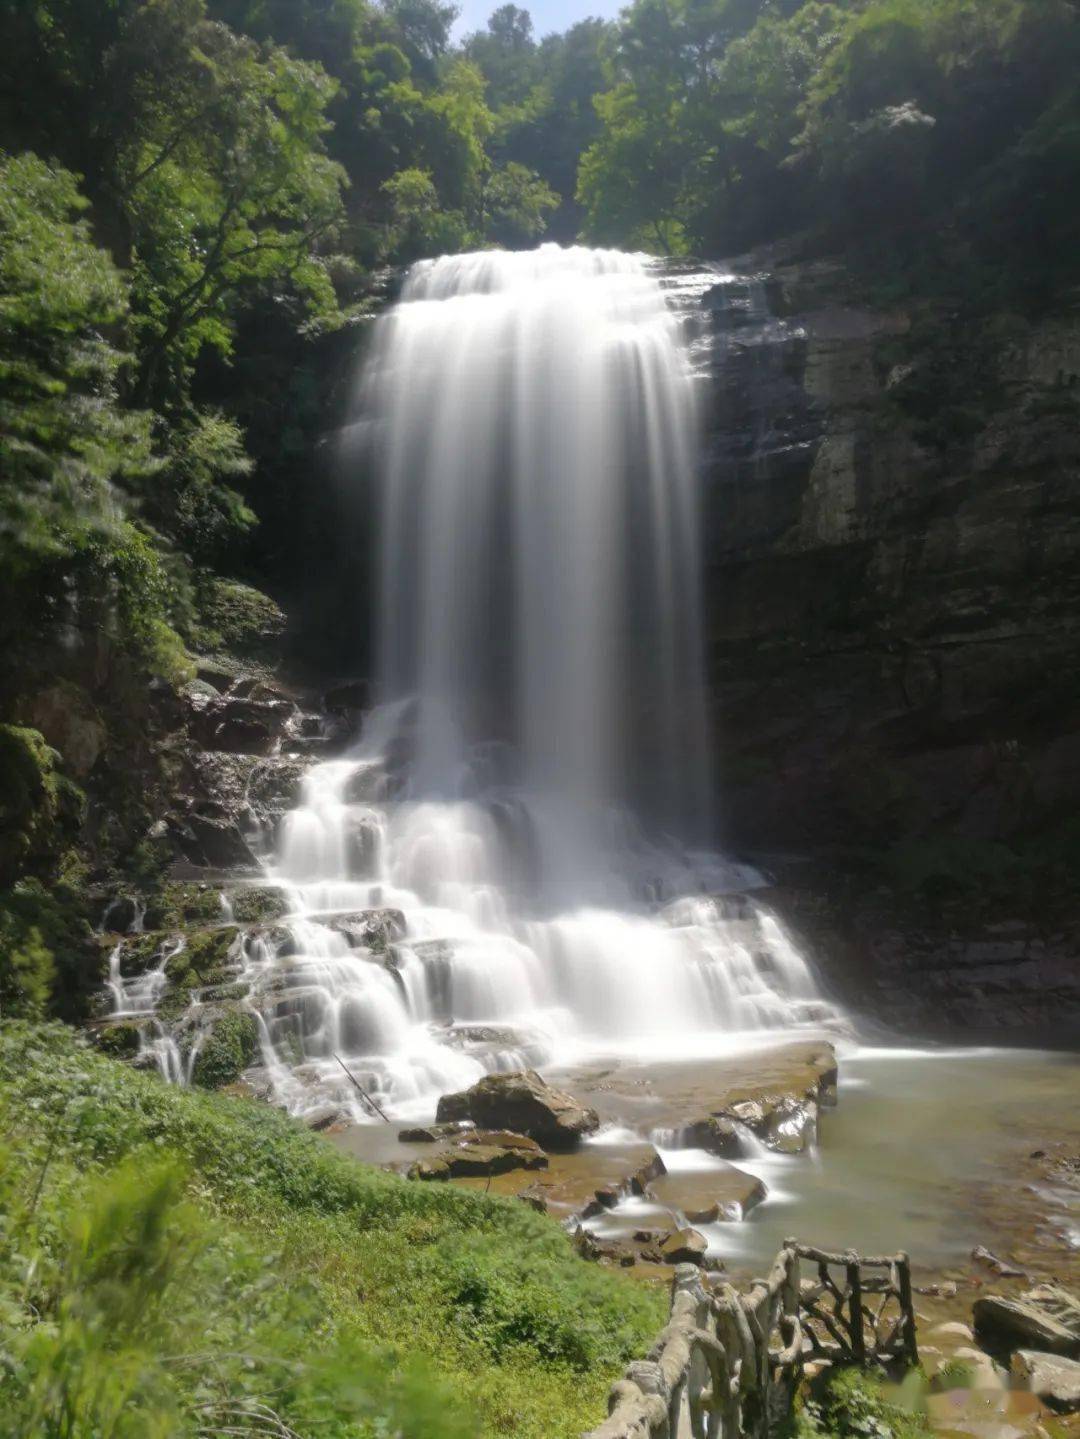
893,535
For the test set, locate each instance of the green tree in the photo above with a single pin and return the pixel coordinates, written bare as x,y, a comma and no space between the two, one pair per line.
64,437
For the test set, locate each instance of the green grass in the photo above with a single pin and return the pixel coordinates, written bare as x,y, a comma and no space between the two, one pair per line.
372,1306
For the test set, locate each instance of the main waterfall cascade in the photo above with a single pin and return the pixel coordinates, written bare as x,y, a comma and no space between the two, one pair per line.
526,809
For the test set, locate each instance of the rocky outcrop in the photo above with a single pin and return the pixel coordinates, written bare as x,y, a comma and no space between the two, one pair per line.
892,521
523,1103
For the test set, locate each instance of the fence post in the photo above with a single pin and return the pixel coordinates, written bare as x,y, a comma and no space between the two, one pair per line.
854,1284
907,1309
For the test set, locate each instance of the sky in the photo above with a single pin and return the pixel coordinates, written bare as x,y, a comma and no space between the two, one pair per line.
547,15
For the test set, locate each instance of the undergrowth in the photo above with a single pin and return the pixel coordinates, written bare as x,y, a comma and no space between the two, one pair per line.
173,1262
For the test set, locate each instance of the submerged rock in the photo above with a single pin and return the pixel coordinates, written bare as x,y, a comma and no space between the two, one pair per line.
524,1103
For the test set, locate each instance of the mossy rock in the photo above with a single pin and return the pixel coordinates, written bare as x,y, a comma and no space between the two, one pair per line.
140,952
231,1045
175,905
119,1041
258,904
240,620
204,963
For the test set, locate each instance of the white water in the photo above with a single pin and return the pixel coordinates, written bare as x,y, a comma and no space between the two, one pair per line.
532,796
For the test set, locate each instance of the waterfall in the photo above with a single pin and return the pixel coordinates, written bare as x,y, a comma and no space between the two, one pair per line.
512,866
540,573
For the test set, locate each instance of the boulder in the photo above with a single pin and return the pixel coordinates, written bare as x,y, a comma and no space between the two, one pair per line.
654,1168
523,1103
685,1246
1054,1379
1046,1318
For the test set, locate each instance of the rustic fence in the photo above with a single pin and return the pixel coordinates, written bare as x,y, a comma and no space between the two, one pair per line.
727,1364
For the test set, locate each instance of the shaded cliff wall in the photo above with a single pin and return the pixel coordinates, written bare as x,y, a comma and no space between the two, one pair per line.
893,578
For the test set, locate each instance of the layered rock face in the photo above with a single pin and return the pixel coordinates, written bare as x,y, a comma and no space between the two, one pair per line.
893,588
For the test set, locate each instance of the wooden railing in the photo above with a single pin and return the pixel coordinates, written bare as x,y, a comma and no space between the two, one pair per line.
727,1364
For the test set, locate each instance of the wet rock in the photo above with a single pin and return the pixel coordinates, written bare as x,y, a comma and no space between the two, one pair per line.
432,1133
375,929
1054,1379
197,694
653,1169
524,1103
686,1246
715,1135
1045,1318
326,1117
141,952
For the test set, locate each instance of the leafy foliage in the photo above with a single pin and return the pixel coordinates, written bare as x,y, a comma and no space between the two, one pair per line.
273,1270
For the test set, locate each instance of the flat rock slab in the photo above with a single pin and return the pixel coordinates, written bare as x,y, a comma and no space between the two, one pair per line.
671,1096
715,1196
481,1156
1055,1379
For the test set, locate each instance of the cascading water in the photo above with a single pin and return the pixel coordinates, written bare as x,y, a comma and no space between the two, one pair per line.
511,867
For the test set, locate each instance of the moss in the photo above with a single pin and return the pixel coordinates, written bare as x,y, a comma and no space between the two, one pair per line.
202,963
258,904
231,1045
240,620
174,905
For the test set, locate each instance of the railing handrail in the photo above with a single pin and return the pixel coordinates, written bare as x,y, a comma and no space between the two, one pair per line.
716,1363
